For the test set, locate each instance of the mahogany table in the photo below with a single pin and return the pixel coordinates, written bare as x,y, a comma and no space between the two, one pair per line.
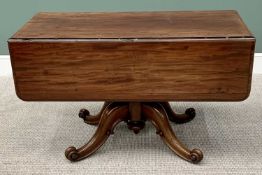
136,62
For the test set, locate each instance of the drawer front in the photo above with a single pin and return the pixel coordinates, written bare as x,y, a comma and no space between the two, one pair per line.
188,70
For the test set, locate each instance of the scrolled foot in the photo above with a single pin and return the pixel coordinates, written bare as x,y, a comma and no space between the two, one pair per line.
83,113
196,156
89,119
158,116
71,153
189,114
92,119
111,116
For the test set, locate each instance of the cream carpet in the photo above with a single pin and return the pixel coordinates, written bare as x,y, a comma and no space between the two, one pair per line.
34,135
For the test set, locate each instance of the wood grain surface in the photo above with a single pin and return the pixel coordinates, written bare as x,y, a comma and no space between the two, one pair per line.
135,114
187,24
178,69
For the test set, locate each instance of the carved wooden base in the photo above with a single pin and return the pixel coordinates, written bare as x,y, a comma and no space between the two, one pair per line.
135,114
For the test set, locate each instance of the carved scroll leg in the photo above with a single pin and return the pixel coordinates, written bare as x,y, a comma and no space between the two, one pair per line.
112,115
179,118
157,115
92,119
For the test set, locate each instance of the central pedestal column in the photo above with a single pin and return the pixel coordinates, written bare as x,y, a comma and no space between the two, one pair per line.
135,114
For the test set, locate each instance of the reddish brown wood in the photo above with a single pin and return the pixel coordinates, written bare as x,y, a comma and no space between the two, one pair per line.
189,24
111,116
156,113
133,56
189,114
135,121
131,112
92,119
132,71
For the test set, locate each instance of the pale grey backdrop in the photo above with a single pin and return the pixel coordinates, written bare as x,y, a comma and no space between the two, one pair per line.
14,13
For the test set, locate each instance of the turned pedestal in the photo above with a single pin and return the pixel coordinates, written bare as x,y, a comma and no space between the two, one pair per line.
136,62
135,114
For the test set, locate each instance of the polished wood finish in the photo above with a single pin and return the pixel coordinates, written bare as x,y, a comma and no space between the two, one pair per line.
142,59
111,116
187,24
158,116
135,122
133,56
92,119
154,112
197,70
189,114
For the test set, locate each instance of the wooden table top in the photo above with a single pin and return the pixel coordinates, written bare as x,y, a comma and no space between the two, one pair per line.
133,56
185,24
